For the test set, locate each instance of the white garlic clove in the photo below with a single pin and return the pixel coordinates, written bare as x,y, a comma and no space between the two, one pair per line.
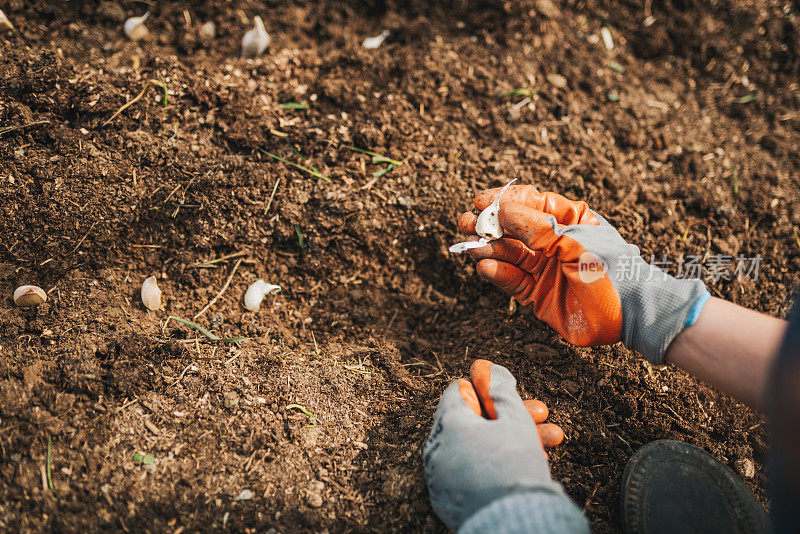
256,293
488,223
25,296
255,41
134,27
5,24
207,31
151,294
375,42
467,245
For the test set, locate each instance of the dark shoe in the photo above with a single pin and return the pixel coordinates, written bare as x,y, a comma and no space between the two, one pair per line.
669,486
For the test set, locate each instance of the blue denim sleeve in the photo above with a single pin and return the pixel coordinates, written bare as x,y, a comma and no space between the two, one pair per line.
531,512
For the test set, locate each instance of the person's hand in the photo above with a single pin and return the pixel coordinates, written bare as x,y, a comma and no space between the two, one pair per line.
484,444
580,275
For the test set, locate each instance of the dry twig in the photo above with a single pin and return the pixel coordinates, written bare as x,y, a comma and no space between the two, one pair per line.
221,291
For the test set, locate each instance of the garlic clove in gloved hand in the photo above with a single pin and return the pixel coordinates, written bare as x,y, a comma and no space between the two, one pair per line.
256,293
487,226
134,27
255,41
151,294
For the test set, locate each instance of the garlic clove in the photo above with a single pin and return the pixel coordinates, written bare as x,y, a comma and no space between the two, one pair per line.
467,245
256,293
151,294
5,24
207,31
255,41
25,296
375,42
488,223
134,27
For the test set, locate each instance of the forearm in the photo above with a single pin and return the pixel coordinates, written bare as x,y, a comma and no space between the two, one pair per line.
731,348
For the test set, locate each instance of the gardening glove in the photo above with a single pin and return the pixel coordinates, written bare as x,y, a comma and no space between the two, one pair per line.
581,276
483,446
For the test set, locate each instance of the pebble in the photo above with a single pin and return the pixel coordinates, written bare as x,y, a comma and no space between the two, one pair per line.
245,495
314,494
746,467
557,80
207,31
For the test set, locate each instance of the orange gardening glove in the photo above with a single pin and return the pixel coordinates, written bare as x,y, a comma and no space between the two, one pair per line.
580,275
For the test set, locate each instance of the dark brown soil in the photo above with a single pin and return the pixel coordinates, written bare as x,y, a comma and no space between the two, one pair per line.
375,316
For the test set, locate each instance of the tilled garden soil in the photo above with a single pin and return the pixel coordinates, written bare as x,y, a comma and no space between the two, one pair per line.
684,135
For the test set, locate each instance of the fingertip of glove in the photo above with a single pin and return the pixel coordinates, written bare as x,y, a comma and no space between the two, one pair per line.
466,223
487,269
467,392
523,221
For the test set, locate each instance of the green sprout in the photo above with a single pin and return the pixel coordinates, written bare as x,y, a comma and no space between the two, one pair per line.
523,91
206,333
305,411
146,459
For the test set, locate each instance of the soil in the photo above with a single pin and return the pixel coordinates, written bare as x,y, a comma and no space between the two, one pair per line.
683,135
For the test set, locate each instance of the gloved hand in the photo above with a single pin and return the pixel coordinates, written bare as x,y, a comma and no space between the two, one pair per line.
483,445
581,276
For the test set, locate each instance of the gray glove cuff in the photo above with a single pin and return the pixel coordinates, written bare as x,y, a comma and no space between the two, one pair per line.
523,513
662,304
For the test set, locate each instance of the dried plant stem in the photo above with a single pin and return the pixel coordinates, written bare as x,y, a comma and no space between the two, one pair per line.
221,291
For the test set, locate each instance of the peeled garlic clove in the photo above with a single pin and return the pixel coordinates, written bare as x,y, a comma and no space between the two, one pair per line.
255,41
5,24
488,223
151,294
134,27
256,293
466,245
375,42
207,31
25,296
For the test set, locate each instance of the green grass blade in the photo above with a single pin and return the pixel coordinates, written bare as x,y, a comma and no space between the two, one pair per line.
206,333
294,106
616,67
296,166
746,99
381,172
49,472
516,92
376,158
